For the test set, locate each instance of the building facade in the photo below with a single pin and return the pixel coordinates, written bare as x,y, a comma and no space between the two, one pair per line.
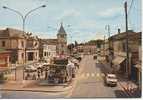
118,49
22,46
13,40
49,49
32,49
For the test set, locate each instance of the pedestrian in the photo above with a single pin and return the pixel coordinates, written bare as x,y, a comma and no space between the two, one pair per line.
34,77
69,71
46,74
38,74
73,69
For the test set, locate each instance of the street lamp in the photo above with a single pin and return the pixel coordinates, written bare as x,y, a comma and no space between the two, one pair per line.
23,16
23,21
107,27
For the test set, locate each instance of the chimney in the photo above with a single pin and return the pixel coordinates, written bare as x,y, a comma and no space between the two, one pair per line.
119,30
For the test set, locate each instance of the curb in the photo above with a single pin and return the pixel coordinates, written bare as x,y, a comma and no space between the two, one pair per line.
28,90
32,90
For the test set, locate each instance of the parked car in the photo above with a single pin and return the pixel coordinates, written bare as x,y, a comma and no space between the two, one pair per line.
111,79
95,57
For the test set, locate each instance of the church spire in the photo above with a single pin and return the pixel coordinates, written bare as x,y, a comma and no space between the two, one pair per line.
61,30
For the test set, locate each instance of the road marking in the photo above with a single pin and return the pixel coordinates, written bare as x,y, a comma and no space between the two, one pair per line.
102,74
87,74
98,75
82,75
92,74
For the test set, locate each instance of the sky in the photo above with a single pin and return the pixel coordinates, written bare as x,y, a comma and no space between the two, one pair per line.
83,20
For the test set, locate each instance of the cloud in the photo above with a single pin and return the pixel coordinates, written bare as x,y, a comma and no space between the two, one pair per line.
69,13
110,12
9,26
88,24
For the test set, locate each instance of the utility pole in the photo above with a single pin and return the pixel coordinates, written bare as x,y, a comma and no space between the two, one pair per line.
104,45
127,48
107,27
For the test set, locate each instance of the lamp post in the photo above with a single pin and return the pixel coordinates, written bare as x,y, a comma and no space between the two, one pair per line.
23,23
107,27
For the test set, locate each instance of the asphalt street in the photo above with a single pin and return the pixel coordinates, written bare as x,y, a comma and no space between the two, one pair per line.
89,83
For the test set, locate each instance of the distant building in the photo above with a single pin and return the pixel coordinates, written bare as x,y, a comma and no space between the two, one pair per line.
86,48
50,48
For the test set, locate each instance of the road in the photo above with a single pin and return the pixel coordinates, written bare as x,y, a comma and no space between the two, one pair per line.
88,83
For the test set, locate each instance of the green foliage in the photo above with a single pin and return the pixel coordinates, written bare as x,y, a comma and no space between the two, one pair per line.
95,42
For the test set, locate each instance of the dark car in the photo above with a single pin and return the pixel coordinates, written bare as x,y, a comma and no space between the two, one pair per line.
94,57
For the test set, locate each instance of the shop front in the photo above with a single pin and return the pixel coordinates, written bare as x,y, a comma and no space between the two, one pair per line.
4,59
119,64
4,64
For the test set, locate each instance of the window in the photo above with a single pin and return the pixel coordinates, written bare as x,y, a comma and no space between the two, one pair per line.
44,53
62,36
3,43
30,56
22,55
62,45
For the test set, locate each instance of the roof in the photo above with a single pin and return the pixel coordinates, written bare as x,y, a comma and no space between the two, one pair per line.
132,35
12,33
61,30
50,41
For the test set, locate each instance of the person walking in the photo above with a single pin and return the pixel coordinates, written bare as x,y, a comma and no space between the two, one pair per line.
38,72
69,71
73,69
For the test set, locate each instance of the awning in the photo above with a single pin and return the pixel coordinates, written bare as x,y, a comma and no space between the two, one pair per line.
118,60
138,66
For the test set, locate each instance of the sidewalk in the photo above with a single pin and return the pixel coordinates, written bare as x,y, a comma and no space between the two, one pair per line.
129,87
33,87
38,86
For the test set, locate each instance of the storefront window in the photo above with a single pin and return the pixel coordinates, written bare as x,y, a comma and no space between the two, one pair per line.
44,53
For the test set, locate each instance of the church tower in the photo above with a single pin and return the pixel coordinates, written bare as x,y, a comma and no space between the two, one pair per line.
62,41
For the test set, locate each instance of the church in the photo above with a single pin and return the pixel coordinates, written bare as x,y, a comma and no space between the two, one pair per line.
61,41
50,48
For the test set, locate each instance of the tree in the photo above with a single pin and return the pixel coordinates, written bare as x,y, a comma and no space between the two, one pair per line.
70,47
76,44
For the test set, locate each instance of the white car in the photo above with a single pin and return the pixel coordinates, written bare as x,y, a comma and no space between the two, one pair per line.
111,79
